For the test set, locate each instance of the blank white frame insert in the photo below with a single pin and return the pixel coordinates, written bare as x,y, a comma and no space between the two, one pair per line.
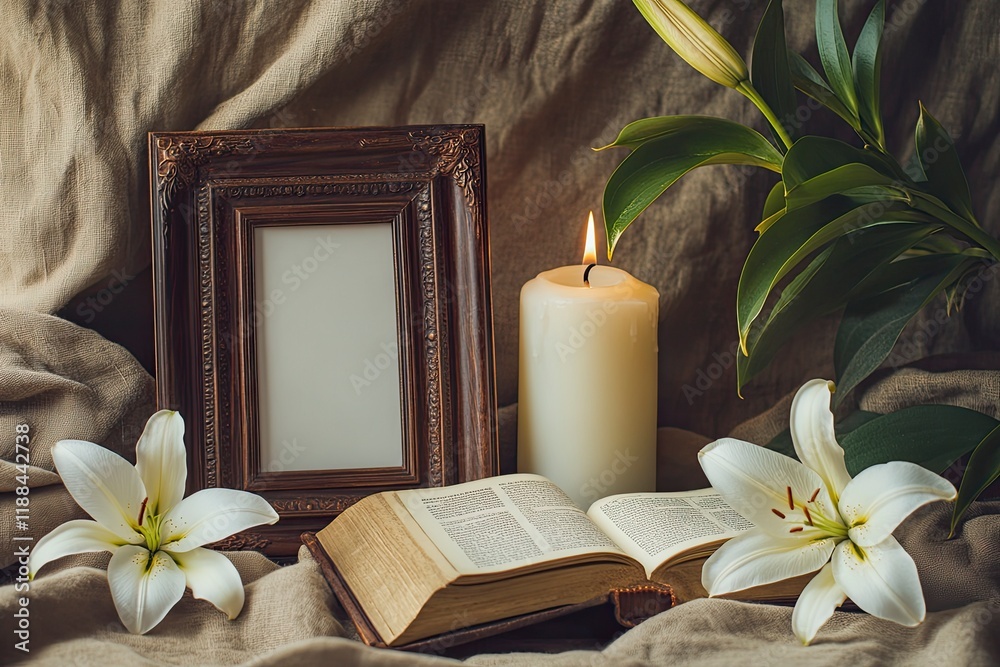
328,371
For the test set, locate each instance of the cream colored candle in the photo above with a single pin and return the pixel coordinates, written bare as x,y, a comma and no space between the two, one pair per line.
587,384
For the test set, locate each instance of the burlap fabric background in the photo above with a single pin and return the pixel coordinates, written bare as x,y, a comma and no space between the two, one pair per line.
82,82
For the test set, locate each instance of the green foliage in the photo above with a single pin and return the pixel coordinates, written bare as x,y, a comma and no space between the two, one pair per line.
939,162
795,236
783,441
769,71
833,54
867,64
933,436
832,278
983,470
872,323
846,227
667,149
807,79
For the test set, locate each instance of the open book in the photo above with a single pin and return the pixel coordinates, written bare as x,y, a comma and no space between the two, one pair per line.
421,562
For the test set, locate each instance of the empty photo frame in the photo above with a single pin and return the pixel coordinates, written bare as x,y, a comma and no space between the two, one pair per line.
323,315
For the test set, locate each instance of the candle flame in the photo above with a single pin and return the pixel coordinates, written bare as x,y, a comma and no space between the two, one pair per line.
590,251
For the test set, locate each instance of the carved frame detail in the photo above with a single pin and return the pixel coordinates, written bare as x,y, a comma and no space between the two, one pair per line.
210,189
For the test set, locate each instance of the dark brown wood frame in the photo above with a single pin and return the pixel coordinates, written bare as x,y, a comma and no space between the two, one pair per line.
210,190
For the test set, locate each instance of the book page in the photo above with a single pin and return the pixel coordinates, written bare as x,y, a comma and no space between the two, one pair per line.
656,527
505,522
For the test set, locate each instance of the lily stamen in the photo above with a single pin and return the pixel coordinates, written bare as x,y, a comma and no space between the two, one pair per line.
780,515
797,529
791,502
142,509
812,498
809,519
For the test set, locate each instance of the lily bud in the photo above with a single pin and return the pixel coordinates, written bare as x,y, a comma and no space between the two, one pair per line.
695,40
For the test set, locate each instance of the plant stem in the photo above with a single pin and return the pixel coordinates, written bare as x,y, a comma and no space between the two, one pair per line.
751,93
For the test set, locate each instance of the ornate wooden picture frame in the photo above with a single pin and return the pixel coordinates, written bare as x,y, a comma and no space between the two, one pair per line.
390,225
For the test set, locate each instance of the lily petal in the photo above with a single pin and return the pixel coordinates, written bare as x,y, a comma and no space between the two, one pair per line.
811,426
816,604
74,537
104,484
881,579
756,558
144,586
211,515
755,481
213,577
162,460
880,497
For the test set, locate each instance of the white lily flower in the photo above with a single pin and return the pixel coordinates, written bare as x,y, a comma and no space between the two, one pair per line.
154,533
694,40
812,516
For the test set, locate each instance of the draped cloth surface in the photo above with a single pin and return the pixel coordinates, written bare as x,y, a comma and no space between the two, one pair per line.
83,82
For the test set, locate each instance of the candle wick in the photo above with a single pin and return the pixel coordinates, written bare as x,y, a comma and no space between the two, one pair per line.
586,274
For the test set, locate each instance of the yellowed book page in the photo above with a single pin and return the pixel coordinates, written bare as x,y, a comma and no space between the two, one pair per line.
502,523
655,528
418,537
391,575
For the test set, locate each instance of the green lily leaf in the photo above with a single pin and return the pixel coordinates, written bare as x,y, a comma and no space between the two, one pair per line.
808,80
813,156
933,436
658,163
899,274
796,235
841,180
867,64
983,470
769,70
824,286
833,54
816,167
941,166
641,131
775,200
782,443
873,322
936,208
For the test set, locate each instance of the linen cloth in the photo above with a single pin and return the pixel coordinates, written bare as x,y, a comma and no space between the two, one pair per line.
81,83
287,620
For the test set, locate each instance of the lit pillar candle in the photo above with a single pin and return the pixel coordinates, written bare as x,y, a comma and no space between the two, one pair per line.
587,379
